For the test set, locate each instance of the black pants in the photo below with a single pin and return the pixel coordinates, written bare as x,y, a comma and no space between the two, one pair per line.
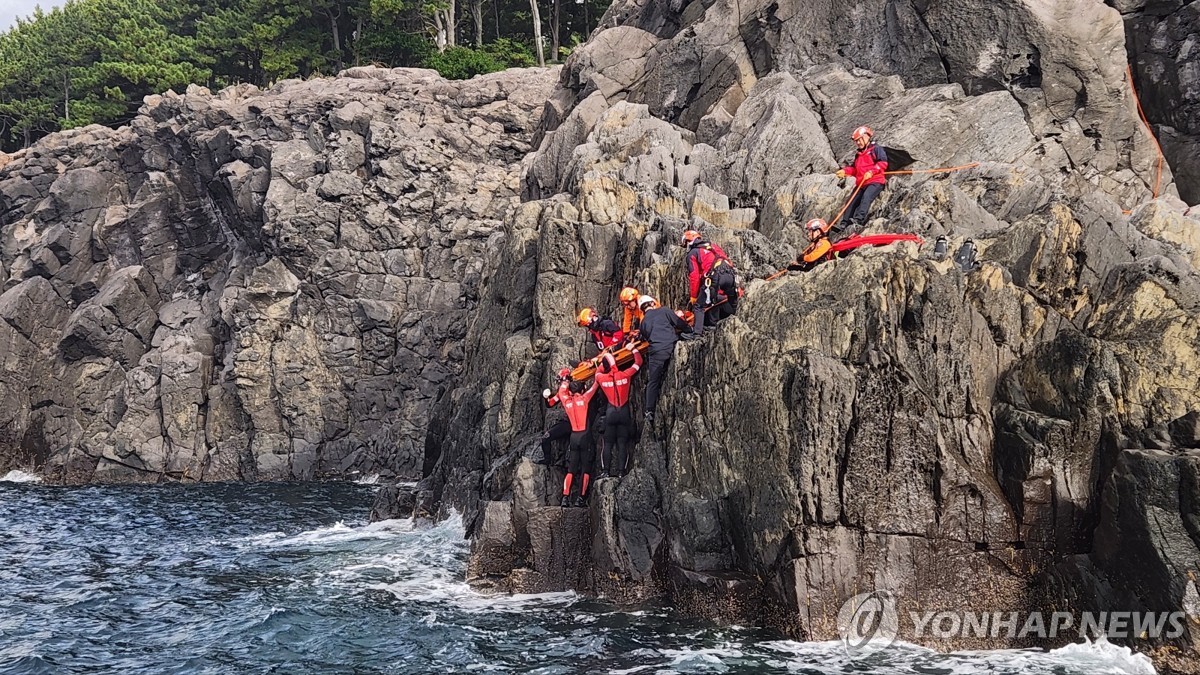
617,437
721,280
656,372
579,459
859,209
560,430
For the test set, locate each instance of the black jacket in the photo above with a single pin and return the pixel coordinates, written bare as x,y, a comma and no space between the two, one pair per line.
661,328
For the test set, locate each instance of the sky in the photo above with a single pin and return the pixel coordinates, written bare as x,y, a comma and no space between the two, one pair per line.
11,9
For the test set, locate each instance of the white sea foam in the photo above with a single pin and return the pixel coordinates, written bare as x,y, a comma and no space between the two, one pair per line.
373,479
1100,657
19,476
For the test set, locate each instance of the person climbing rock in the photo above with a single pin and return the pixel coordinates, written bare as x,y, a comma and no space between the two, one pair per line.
868,171
575,402
633,314
558,426
819,248
662,328
711,280
605,332
618,430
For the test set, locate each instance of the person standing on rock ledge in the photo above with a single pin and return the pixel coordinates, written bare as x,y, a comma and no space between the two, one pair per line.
868,171
575,401
618,423
662,328
710,276
559,429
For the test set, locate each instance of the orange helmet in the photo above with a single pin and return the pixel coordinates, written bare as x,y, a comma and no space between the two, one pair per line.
629,294
689,237
862,132
585,316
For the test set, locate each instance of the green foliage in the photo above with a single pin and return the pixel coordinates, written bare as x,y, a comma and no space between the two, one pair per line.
511,53
92,61
461,63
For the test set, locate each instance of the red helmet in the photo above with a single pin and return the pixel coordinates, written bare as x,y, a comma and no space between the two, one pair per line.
816,224
629,294
564,373
609,362
862,132
689,237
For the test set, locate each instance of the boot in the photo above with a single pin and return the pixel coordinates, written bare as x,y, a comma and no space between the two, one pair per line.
566,501
579,502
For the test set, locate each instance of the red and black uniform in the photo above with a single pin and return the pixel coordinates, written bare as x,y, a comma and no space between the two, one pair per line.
711,280
605,332
579,458
559,430
873,159
661,328
618,429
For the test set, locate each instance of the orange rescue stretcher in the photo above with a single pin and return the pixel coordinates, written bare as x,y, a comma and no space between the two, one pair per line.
624,354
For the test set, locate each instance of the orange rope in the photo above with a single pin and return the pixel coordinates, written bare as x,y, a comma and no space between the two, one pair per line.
1142,115
946,169
846,206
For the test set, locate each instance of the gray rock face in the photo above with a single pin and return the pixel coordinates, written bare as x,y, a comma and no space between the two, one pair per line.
253,284
861,425
1164,49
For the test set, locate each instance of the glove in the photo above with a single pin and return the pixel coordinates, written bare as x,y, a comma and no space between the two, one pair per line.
841,174
867,175
545,393
692,300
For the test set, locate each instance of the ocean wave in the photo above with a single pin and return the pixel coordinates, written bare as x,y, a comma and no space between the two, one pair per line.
902,658
19,476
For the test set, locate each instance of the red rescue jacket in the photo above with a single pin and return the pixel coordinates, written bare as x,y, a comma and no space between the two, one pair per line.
872,158
576,406
615,383
702,257
563,390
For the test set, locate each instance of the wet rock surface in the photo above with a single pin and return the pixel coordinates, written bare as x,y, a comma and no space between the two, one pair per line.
254,285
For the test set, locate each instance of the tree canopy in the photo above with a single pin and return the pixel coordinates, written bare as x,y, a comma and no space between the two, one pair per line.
92,61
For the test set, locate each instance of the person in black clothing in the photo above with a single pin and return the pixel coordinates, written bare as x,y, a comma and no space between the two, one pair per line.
661,327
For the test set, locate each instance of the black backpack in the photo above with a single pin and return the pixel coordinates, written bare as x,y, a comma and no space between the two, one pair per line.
965,258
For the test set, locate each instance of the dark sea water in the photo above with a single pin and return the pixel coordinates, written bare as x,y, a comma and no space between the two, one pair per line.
290,578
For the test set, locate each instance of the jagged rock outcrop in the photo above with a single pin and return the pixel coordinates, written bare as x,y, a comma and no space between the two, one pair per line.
1163,39
256,285
967,439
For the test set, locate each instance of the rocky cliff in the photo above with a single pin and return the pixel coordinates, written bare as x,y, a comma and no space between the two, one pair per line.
253,285
1019,435
1163,39
379,273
